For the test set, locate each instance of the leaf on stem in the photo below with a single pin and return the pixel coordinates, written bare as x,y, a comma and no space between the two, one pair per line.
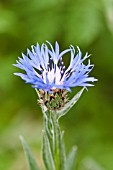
70,104
60,157
31,160
47,154
70,163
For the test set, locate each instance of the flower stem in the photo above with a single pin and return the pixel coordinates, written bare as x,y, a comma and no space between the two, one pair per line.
54,142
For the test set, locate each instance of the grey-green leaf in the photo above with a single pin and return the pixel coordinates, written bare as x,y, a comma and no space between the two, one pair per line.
31,160
70,163
60,156
70,104
47,154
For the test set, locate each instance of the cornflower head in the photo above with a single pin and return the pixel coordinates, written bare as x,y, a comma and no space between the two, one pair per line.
45,70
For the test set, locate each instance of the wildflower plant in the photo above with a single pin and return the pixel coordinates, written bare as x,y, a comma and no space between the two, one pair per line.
44,69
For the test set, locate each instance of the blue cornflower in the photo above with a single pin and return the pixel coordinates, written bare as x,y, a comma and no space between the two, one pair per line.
45,70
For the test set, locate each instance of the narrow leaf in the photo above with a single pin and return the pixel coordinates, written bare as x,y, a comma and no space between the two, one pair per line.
59,144
70,104
62,153
70,163
32,162
47,154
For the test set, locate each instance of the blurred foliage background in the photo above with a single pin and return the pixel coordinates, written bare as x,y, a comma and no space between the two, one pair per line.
89,125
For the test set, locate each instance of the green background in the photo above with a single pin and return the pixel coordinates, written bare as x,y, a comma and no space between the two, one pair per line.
89,124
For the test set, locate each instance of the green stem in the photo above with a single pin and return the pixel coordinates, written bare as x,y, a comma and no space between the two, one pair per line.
59,146
54,136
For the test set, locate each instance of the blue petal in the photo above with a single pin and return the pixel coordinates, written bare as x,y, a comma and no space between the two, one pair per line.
37,60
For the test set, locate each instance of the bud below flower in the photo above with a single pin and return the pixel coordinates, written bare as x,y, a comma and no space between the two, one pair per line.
53,101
